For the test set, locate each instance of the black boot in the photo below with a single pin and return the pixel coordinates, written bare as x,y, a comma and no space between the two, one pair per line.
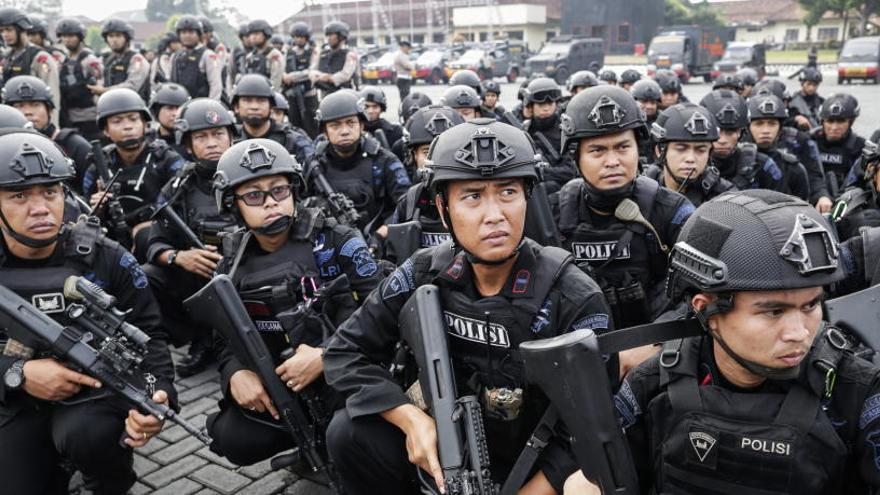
201,354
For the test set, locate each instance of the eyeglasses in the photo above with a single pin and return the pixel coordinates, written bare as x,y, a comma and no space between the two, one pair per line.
258,198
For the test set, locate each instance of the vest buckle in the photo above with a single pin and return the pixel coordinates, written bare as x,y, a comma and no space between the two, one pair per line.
669,357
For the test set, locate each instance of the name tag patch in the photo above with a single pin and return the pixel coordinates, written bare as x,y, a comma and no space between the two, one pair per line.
598,251
49,303
475,331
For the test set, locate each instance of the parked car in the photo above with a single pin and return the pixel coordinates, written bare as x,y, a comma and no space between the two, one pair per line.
859,59
486,63
431,67
380,71
741,54
565,55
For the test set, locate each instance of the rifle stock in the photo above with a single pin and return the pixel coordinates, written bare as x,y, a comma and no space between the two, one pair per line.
115,213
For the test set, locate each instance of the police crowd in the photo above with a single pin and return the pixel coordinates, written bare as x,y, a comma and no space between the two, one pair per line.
606,204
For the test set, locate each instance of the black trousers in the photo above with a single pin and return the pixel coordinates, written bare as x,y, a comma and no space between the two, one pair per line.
403,86
171,285
35,442
242,439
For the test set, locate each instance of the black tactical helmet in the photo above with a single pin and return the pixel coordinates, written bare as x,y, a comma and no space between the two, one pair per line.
27,88
281,102
684,122
260,26
542,89
243,30
581,79
838,106
646,89
728,107
491,86
168,94
521,92
608,76
117,26
469,78
253,85
770,87
481,149
411,104
207,25
372,94
277,39
728,81
755,240
202,113
31,158
166,40
341,104
70,26
810,74
630,76
461,96
766,107
190,22
338,28
748,75
12,117
301,29
11,16
428,123
39,26
252,159
600,111
120,100
668,81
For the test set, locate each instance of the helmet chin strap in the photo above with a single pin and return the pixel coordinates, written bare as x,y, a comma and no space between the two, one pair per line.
27,241
130,144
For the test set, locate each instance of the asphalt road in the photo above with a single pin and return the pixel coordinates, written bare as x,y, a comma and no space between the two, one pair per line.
867,95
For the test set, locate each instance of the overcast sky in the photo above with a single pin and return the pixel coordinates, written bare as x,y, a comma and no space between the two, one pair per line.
273,11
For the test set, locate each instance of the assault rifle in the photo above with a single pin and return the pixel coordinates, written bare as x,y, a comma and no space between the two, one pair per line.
340,205
98,341
117,224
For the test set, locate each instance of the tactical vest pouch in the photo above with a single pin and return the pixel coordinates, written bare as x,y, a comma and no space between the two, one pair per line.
403,240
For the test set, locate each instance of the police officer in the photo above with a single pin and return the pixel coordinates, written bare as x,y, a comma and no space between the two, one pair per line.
336,65
747,407
81,68
236,64
176,268
160,67
24,58
608,77
277,41
375,104
541,98
839,147
33,98
739,162
580,81
354,163
263,58
684,134
280,110
143,166
418,204
670,85
502,287
464,100
411,104
123,67
602,128
38,35
750,78
471,79
54,414
212,42
197,68
859,206
302,96
647,94
284,242
766,114
403,68
728,80
805,103
252,101
491,97
164,104
628,78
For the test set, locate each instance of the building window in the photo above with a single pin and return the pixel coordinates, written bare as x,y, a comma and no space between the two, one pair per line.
516,35
597,32
623,33
439,37
368,40
418,38
792,34
754,29
827,33
551,35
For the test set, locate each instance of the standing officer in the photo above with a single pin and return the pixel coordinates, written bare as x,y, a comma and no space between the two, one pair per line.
252,101
260,183
24,58
403,67
124,67
197,68
806,103
739,162
354,163
541,99
301,95
335,66
470,78
160,67
33,98
177,269
839,147
766,114
505,288
145,166
601,129
81,68
53,414
263,58
749,407
166,101
375,104
684,134
212,42
647,94
236,64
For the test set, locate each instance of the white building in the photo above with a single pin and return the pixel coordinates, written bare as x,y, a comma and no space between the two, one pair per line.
527,22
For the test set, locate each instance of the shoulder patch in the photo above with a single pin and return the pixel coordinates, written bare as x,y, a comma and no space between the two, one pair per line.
870,411
138,277
42,58
682,213
591,322
356,249
401,280
627,407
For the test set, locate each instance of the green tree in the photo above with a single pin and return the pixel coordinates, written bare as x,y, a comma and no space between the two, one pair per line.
94,39
682,12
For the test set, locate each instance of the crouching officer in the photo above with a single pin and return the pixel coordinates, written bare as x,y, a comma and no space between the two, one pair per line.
684,134
52,414
498,289
839,146
290,250
541,99
602,128
766,115
178,267
770,399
